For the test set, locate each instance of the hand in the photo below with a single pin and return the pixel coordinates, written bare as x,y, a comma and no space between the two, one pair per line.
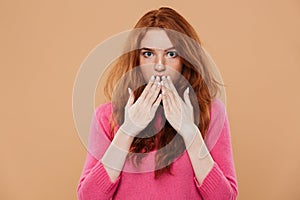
179,113
141,113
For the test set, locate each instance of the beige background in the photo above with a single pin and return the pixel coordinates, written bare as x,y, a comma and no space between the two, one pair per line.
255,44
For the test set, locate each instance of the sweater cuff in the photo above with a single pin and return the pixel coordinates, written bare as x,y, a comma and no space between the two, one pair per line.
211,181
103,179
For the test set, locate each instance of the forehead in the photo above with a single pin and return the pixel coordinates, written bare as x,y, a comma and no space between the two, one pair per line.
156,39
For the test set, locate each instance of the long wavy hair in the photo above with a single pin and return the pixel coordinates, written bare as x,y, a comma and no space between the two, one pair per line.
194,70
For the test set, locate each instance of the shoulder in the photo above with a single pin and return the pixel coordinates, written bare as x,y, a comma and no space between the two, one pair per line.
217,108
217,112
218,120
102,115
103,110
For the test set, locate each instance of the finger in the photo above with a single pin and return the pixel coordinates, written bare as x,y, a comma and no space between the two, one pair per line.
170,97
172,87
165,105
151,90
186,97
156,103
152,95
147,88
165,99
165,83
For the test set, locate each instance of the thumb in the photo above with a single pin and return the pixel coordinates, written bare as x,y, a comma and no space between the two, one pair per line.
187,97
131,97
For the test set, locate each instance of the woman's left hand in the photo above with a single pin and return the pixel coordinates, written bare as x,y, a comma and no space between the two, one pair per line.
179,113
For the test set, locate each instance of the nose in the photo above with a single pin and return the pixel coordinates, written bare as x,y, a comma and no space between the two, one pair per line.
160,64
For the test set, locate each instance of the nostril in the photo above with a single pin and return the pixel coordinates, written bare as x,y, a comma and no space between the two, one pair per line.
159,67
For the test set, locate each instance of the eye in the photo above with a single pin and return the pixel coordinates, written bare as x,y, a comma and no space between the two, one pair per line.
147,54
172,54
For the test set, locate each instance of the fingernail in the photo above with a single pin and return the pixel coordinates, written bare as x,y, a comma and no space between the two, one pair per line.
168,77
129,91
152,78
188,90
163,77
157,78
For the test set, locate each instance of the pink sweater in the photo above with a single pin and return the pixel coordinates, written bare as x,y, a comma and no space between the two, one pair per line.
220,183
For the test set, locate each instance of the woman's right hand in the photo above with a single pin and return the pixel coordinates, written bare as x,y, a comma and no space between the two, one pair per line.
140,114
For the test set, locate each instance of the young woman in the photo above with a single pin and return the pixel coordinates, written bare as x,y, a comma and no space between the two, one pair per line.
167,136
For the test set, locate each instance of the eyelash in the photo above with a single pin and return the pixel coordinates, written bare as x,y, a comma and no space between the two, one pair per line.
144,53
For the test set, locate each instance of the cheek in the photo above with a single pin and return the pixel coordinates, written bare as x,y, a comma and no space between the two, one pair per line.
179,67
147,72
176,70
176,66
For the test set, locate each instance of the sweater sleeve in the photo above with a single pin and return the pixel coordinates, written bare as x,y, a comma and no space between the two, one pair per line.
221,181
94,182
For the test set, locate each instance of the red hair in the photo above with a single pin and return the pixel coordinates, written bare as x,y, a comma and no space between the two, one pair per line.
194,70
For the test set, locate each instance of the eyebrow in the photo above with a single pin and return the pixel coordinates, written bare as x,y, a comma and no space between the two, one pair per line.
149,49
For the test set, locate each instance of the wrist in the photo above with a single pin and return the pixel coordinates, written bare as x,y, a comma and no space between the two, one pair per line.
122,139
188,128
188,132
130,130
